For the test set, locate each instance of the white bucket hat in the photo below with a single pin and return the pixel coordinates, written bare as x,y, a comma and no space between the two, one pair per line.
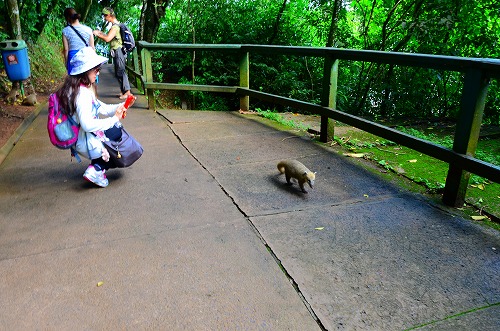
84,60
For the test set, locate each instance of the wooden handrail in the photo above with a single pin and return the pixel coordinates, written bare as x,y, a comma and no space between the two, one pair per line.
491,67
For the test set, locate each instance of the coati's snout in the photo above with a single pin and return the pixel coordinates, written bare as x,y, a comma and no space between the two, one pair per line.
311,177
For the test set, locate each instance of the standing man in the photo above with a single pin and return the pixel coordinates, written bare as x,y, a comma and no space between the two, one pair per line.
113,37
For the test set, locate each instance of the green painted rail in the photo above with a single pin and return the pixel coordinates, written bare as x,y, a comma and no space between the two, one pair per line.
477,72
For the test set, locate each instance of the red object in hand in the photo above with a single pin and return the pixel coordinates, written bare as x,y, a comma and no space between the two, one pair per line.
128,101
127,104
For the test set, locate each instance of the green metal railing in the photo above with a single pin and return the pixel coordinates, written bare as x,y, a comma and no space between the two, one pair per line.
460,158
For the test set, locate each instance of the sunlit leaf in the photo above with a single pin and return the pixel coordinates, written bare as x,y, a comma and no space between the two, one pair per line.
320,228
479,218
412,161
481,187
358,155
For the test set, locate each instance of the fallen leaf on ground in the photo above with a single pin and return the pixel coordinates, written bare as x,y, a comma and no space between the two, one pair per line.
479,218
320,228
100,284
354,154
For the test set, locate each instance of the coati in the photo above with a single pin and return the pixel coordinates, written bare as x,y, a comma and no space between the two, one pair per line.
30,100
295,169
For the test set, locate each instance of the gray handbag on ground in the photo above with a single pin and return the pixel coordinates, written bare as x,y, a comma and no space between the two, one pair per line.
125,151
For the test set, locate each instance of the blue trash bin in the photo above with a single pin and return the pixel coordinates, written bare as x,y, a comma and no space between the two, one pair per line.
15,59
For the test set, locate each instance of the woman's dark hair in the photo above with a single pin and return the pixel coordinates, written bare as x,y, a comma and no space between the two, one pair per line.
71,15
67,93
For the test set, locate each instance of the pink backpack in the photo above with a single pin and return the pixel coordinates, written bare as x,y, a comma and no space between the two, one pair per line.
63,130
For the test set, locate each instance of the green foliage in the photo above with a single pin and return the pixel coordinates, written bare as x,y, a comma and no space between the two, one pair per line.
34,17
44,51
446,140
276,117
46,62
435,27
447,27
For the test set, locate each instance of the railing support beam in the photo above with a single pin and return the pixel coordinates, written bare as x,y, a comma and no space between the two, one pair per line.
466,134
245,80
147,69
329,96
135,58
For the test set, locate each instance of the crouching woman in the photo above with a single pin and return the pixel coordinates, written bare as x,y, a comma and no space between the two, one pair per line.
77,99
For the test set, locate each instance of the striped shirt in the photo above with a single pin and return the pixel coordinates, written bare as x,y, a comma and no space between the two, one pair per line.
74,41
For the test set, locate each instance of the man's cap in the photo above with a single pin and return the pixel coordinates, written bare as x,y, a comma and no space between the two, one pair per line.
84,60
108,11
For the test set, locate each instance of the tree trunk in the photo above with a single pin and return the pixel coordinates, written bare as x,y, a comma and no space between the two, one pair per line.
366,25
369,79
84,11
15,22
277,23
337,6
386,92
152,12
43,14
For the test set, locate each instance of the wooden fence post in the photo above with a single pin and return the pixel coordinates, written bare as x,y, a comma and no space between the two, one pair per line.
135,57
245,80
466,134
329,96
147,69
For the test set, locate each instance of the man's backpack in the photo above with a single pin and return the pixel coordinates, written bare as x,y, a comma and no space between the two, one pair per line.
127,38
63,130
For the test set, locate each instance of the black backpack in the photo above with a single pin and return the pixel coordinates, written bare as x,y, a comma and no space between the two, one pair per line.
127,38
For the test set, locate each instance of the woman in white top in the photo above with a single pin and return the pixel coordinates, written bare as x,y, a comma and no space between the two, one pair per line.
77,98
75,36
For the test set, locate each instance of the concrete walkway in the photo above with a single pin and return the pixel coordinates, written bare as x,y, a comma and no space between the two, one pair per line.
202,234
